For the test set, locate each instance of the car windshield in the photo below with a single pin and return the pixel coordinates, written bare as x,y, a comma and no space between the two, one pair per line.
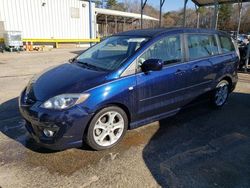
111,53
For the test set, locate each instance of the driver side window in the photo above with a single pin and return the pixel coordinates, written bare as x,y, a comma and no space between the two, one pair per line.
168,49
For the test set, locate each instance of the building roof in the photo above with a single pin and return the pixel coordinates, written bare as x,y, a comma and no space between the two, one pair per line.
145,32
212,2
155,32
119,15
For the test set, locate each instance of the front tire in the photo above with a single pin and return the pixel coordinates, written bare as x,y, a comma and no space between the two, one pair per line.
220,95
107,128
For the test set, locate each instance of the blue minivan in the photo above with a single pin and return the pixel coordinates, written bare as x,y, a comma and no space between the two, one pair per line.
128,80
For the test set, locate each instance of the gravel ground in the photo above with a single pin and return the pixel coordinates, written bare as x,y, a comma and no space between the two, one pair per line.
199,147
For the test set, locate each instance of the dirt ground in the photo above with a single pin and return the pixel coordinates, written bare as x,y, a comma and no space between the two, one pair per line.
199,147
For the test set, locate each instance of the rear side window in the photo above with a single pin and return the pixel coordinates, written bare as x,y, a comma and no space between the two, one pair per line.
226,44
167,49
201,46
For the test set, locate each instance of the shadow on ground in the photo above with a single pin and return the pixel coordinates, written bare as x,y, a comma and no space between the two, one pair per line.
13,126
202,147
199,147
244,71
78,52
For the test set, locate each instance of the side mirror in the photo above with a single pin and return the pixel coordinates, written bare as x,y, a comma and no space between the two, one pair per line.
72,60
152,65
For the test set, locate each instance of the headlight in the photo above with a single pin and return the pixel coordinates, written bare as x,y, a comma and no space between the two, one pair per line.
64,101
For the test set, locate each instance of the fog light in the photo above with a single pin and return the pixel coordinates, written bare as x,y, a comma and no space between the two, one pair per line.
48,133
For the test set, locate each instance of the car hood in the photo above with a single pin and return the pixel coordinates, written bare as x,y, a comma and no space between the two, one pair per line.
66,78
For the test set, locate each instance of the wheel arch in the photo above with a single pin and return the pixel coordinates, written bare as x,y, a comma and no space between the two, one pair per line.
229,79
120,105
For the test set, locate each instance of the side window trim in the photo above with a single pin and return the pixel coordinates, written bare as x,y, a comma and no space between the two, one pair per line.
181,35
130,70
218,44
185,35
183,52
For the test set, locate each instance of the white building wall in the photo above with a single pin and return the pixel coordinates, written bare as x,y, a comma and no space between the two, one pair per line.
53,20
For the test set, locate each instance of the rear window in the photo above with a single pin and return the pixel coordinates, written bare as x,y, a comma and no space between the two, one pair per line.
226,44
202,46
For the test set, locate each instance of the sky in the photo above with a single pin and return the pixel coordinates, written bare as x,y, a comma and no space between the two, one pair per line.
171,5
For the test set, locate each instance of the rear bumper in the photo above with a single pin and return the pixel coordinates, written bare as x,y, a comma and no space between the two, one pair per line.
69,125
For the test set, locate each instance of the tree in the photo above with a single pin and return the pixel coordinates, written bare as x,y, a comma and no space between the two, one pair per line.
201,10
111,4
225,12
120,7
98,3
245,21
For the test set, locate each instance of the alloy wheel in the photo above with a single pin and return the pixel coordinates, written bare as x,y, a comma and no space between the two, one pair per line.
221,94
108,128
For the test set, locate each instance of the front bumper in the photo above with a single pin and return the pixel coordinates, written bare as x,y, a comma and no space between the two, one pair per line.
69,125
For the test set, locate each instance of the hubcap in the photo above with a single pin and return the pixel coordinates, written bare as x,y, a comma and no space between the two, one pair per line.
221,94
108,128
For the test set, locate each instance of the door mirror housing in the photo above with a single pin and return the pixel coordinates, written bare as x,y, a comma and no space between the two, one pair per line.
152,65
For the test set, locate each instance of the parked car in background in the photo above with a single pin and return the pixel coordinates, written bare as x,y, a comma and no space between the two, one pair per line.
242,38
128,80
248,35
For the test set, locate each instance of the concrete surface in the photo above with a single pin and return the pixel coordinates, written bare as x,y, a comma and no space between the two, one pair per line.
199,147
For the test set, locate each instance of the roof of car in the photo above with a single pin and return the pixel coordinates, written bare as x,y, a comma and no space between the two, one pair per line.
158,31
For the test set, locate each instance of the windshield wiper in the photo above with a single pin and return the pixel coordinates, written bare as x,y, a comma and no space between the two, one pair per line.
89,66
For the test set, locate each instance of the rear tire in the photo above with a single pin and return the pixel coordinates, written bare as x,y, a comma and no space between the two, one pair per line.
107,128
220,94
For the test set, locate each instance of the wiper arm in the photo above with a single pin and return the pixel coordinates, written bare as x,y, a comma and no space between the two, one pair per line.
90,66
72,60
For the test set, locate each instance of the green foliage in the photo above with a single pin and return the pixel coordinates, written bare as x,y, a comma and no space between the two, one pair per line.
111,4
98,3
201,10
225,13
120,6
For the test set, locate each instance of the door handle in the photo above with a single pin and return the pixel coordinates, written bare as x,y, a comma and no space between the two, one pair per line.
179,72
195,67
